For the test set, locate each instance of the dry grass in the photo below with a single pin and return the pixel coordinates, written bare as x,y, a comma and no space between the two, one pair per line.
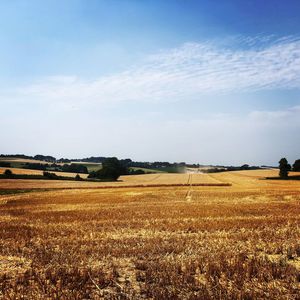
238,242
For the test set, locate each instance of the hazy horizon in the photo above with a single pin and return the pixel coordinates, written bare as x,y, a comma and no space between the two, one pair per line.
198,81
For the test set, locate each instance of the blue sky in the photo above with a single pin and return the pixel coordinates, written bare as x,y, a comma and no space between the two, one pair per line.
214,82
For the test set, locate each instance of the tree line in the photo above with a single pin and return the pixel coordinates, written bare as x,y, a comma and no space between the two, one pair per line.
71,168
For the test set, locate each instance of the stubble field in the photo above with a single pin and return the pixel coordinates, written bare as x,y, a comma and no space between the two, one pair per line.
75,240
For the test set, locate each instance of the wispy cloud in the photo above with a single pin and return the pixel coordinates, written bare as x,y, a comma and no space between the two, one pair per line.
186,72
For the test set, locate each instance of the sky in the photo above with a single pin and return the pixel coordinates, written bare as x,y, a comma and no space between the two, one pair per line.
200,81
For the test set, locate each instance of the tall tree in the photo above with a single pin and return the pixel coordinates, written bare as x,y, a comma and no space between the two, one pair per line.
284,168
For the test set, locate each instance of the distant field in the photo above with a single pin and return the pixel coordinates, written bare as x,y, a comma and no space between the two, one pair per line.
253,178
185,242
20,162
39,172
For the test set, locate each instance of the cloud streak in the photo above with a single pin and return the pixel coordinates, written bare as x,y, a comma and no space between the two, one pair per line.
187,72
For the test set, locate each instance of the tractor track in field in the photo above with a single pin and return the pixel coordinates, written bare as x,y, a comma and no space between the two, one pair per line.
188,196
155,178
38,189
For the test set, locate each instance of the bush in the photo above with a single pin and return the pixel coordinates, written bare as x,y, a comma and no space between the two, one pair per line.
77,177
8,173
75,168
35,166
5,164
50,175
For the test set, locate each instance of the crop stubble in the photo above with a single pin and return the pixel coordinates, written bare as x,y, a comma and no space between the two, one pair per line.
235,242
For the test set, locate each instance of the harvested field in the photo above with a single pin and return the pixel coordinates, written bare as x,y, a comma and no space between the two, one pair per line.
20,171
187,242
150,180
22,160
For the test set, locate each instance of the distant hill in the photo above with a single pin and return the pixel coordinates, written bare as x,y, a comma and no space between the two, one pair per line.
94,163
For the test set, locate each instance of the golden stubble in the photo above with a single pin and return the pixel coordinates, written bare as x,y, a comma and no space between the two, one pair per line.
233,242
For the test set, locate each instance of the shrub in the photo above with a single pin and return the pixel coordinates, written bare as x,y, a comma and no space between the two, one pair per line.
8,173
77,177
50,175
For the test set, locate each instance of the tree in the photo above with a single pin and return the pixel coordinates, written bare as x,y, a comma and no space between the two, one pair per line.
47,158
111,169
296,166
284,168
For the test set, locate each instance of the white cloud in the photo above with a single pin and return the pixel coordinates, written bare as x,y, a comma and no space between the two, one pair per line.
189,71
